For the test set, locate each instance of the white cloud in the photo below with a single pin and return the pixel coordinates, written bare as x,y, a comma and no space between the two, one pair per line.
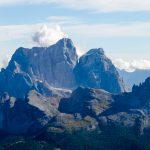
21,2
5,61
133,29
107,5
76,28
63,20
131,66
11,32
94,5
47,36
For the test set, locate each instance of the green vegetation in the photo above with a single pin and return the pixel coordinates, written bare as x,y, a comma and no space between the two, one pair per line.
112,138
20,143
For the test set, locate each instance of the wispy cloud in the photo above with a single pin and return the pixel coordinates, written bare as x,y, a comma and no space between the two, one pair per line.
63,20
107,5
94,5
44,36
133,65
22,2
11,32
134,29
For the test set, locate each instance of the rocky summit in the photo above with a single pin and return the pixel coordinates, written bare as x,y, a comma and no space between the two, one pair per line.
95,70
57,66
49,67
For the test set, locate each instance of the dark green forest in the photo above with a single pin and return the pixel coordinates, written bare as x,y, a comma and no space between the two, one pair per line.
114,138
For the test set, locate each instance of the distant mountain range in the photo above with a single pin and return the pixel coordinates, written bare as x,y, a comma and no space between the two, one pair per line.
49,94
136,77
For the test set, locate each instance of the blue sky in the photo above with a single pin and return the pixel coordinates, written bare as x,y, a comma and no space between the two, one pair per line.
121,27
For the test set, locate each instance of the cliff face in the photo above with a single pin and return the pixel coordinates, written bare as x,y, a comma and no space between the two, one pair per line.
49,67
97,71
57,66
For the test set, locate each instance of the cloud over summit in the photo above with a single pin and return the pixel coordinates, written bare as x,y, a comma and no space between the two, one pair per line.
46,36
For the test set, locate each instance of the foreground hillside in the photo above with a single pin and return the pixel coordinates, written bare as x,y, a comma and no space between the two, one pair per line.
88,119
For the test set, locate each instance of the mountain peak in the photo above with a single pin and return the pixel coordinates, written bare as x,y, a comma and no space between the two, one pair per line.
57,66
66,42
95,70
98,51
66,48
52,65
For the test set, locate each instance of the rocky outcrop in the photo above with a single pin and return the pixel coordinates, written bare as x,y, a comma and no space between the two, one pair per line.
127,109
26,116
95,70
85,101
68,122
86,109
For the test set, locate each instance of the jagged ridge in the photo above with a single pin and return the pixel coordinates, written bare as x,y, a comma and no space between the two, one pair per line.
57,66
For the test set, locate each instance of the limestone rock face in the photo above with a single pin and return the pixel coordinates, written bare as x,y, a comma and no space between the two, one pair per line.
51,67
56,68
95,70
54,64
